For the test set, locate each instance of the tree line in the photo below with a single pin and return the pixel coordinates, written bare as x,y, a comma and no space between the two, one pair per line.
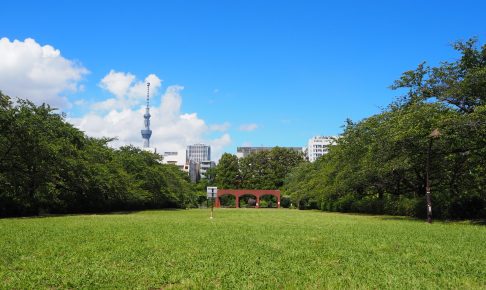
260,170
432,136
49,166
435,132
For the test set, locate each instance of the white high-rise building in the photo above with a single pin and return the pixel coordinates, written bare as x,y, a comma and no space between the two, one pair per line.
198,156
198,152
318,146
194,160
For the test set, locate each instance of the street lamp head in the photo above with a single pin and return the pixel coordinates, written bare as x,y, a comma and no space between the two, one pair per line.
435,133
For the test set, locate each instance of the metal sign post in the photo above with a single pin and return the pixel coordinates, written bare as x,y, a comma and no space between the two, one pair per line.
212,190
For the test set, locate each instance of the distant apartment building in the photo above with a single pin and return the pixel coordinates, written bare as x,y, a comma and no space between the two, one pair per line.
177,158
318,146
204,166
198,161
198,152
245,151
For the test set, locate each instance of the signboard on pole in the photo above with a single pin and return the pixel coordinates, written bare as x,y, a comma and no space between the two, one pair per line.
212,191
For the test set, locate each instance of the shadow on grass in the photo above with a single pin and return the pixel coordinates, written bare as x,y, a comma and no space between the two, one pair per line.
379,216
405,218
399,218
125,212
480,222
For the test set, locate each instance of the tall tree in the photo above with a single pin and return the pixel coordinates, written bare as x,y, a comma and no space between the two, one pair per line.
227,173
379,164
48,166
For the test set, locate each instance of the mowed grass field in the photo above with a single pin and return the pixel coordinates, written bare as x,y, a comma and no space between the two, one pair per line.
240,248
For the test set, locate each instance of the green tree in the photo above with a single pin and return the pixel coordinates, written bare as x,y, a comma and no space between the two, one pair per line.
268,169
48,166
227,173
379,163
461,83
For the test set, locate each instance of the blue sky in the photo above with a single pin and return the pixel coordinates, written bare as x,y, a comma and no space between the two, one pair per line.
286,69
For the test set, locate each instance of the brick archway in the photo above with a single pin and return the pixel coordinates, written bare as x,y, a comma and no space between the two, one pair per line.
240,192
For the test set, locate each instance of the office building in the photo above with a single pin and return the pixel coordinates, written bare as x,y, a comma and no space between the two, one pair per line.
198,152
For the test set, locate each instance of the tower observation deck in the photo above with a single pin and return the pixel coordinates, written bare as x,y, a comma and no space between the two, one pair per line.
146,132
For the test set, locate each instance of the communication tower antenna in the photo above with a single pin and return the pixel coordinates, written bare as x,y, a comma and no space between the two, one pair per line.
146,132
148,94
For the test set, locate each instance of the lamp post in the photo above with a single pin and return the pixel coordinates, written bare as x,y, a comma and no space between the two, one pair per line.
434,135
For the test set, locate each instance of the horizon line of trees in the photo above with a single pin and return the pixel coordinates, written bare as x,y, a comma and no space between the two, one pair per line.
49,166
379,165
260,170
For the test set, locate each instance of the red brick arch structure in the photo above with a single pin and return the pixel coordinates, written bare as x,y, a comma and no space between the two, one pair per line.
239,192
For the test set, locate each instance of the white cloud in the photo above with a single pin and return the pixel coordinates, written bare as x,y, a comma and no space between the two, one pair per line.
139,89
80,102
117,83
218,145
127,92
248,127
220,127
172,130
38,73
171,103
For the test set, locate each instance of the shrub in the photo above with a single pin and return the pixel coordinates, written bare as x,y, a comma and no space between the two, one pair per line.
285,201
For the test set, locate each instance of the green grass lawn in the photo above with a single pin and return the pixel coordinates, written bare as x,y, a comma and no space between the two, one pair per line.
240,248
